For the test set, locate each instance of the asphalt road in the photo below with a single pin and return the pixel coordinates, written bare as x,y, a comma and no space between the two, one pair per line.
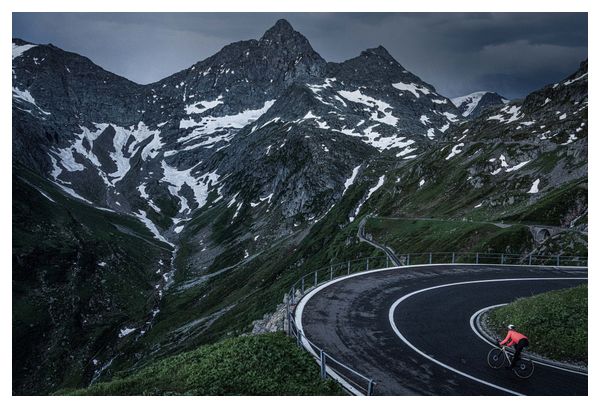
350,319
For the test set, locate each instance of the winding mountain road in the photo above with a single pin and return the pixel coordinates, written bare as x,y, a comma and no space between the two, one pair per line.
409,328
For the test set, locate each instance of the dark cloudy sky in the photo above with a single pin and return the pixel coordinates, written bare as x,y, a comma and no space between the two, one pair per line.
458,53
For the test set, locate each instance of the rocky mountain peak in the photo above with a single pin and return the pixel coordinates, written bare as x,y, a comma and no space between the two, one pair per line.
281,33
379,51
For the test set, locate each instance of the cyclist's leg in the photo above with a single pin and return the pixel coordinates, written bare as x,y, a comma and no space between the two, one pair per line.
518,348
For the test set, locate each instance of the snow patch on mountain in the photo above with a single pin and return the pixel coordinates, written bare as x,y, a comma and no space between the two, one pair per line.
142,216
455,150
381,106
200,185
471,101
206,105
26,97
18,50
369,194
534,187
412,88
509,114
351,179
210,125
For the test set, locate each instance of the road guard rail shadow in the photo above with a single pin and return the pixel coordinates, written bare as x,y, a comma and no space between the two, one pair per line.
351,378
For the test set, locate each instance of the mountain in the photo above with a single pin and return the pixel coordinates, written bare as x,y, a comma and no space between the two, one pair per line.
174,214
474,104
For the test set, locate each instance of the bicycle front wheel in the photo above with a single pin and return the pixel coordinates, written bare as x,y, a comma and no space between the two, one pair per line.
496,358
523,368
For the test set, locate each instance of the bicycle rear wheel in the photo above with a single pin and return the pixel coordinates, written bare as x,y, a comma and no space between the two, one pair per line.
496,358
523,368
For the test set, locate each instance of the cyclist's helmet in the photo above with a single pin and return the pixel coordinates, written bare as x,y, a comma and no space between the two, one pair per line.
511,327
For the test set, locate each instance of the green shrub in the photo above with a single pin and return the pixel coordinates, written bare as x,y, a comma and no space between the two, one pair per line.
556,322
268,364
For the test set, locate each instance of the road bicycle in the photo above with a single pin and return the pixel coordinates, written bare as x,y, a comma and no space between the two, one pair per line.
498,357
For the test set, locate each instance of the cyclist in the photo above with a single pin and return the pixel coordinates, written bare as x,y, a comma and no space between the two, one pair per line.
514,338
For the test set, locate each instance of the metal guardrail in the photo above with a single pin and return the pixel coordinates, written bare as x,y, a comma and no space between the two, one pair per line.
331,367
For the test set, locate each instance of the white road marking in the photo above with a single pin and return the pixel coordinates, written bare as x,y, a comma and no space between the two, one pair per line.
405,340
300,306
485,309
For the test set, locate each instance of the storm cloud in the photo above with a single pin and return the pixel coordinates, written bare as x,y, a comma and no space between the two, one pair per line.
458,53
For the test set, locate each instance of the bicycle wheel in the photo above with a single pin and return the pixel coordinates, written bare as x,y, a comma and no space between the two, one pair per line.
496,358
523,368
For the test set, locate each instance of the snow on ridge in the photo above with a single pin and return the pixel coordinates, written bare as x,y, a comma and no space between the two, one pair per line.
199,184
212,124
309,115
145,196
120,155
126,331
383,107
141,215
570,81
142,190
513,110
406,151
207,105
140,133
516,167
369,194
18,50
316,90
534,187
372,138
450,116
471,100
455,150
26,97
350,180
412,87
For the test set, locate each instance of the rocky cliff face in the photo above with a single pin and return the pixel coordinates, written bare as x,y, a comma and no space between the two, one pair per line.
165,150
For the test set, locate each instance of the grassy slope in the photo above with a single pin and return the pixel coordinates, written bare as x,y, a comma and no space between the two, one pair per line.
76,279
555,322
254,288
448,236
269,364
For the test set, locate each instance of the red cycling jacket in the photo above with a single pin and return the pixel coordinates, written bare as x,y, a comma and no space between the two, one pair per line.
512,337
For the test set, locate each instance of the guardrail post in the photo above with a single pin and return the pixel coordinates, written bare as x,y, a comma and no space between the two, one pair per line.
502,259
315,279
557,260
370,388
387,262
287,311
408,259
331,273
348,267
529,259
477,258
453,257
430,258
302,291
367,264
323,366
